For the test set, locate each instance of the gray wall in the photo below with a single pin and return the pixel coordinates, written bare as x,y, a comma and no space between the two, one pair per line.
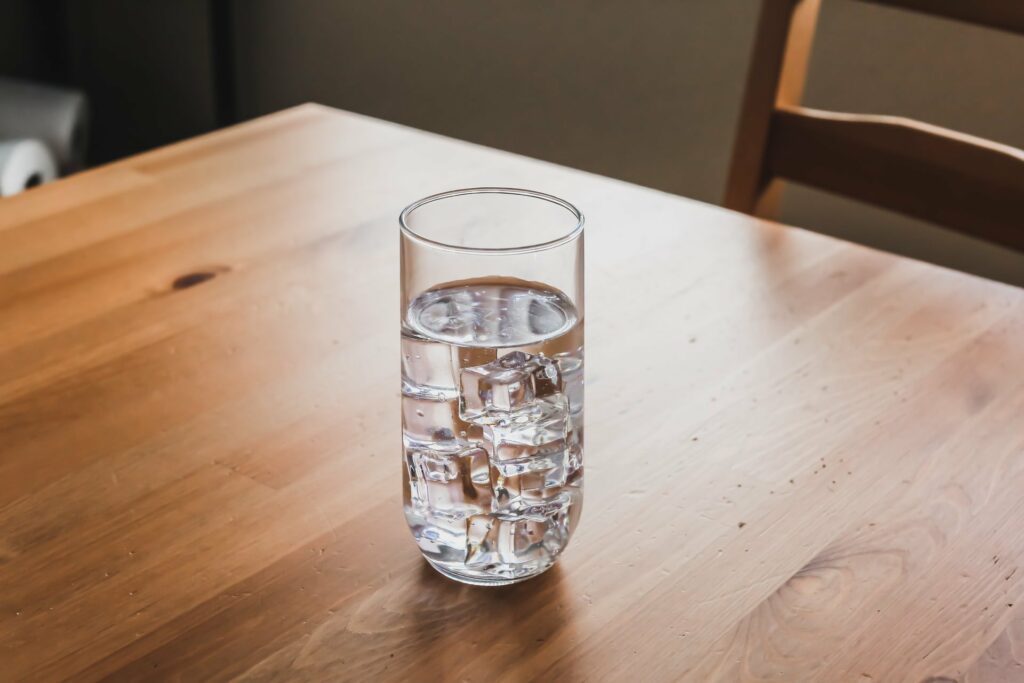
647,91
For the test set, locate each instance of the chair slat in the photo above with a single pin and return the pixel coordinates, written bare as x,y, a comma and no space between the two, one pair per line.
778,68
956,180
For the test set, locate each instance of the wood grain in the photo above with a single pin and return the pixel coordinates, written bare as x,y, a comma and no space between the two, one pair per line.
804,457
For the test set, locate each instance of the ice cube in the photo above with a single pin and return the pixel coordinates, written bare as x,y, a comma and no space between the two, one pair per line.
437,466
574,441
444,487
426,364
442,539
512,545
519,486
503,539
542,432
449,480
498,391
492,390
573,457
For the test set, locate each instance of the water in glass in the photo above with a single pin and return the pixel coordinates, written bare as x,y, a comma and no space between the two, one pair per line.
492,426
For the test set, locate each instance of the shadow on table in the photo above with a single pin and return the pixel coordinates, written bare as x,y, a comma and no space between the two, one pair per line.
481,633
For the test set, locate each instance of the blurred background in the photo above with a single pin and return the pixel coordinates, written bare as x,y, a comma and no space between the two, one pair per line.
647,91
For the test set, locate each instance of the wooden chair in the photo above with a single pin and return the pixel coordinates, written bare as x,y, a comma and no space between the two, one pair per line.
939,175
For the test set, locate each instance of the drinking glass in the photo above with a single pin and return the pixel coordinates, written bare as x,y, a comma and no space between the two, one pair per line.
492,380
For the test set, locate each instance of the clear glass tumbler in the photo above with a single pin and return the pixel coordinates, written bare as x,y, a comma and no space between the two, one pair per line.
492,380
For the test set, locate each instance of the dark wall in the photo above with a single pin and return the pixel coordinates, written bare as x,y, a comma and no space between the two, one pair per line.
33,43
147,67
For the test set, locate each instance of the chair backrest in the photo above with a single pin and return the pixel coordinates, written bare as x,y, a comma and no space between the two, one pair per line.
959,181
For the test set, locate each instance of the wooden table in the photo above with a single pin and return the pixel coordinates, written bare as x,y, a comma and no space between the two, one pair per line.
805,458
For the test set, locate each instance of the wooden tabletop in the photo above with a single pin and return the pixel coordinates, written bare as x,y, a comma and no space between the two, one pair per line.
805,459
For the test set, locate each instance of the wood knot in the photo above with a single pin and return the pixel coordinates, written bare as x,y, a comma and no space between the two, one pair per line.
196,278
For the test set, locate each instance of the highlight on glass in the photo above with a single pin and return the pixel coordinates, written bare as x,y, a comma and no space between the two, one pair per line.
492,380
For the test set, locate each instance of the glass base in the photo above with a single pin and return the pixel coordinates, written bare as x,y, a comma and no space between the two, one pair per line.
477,578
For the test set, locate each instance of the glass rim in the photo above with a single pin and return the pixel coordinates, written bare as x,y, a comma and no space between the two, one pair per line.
526,248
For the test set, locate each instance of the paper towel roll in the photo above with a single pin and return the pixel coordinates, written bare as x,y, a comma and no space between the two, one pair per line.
24,164
56,116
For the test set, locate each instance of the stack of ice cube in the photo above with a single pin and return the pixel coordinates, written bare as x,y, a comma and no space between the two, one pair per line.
519,402
490,444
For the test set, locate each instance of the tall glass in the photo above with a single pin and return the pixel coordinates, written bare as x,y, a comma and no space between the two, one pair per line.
492,380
